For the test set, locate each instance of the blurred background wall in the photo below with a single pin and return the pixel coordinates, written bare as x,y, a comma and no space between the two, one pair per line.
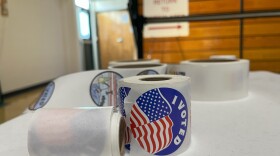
260,37
41,40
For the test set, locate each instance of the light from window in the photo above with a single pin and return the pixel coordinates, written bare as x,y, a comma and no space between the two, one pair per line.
82,3
84,25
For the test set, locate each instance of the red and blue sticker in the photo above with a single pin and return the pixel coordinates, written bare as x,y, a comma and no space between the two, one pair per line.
45,96
159,120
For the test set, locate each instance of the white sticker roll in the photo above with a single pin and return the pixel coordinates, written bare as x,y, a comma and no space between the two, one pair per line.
157,110
131,62
91,88
72,132
217,80
140,69
84,89
175,69
223,57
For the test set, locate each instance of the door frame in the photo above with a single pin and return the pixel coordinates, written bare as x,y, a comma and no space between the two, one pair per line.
97,7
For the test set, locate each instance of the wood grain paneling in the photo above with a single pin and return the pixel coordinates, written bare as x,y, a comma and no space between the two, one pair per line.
261,35
213,6
255,5
168,57
193,45
262,43
265,65
205,39
263,54
197,7
175,57
262,26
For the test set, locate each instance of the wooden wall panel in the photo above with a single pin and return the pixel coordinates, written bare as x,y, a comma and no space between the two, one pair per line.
168,57
261,35
205,39
262,54
213,6
197,7
265,65
262,43
262,26
193,45
256,5
175,57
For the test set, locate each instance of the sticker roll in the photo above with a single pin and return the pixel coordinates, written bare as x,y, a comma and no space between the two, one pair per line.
95,88
131,62
223,57
83,89
217,80
139,69
157,110
72,132
175,69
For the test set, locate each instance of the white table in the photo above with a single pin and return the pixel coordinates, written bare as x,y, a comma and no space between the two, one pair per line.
246,127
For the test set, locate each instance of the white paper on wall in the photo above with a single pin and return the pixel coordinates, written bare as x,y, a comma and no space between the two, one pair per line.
159,30
165,8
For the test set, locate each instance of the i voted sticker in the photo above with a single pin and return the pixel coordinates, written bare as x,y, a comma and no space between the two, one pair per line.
159,120
45,96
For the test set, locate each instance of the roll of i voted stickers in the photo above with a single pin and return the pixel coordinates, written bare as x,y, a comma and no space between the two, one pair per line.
79,131
44,98
131,62
157,110
95,88
83,89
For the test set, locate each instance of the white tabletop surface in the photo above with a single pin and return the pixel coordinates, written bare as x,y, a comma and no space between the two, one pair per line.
246,127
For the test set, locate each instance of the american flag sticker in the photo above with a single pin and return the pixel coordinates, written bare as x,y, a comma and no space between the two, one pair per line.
123,91
158,120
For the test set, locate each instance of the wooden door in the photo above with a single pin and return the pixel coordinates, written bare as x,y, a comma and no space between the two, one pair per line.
116,40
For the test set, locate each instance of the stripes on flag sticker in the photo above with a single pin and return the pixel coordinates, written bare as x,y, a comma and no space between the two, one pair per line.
123,93
159,120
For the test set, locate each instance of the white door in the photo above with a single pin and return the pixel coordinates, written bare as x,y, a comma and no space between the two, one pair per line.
38,42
